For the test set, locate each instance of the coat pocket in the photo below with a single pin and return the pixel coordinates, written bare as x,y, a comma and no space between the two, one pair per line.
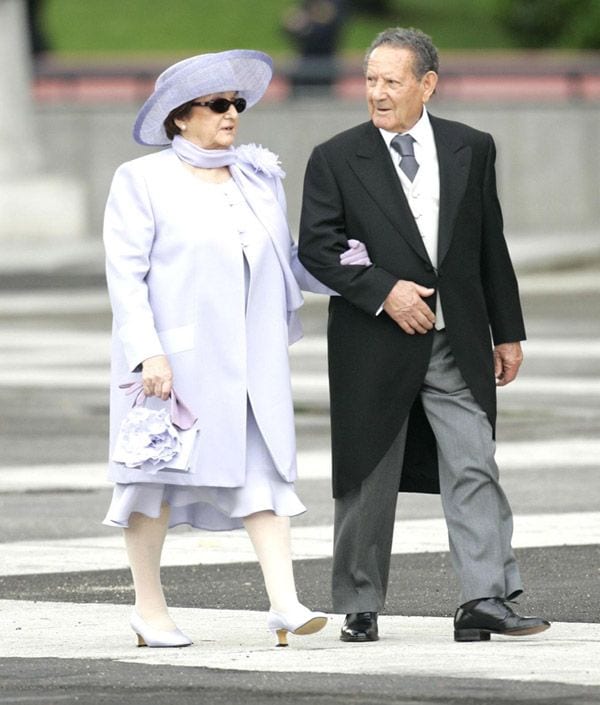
174,340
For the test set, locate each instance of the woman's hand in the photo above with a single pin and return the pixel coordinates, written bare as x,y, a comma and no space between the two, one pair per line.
157,377
356,253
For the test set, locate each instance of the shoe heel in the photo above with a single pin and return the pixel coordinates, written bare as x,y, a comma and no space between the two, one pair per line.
149,636
471,635
281,637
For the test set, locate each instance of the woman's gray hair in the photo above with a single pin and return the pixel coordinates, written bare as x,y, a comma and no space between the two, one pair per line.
425,53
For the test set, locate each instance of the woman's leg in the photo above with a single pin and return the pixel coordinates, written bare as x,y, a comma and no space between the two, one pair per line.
270,536
144,540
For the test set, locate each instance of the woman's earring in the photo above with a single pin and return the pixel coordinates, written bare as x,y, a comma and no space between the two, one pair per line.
182,127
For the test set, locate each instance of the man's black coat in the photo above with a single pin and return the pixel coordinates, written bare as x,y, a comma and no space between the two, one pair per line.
351,190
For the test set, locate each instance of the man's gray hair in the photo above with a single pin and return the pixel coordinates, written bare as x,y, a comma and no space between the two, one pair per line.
425,53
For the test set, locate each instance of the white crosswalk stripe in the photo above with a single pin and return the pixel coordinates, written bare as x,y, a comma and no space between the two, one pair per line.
214,548
567,653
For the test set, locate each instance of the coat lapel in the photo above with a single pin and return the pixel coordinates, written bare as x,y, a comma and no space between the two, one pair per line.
263,202
454,158
373,166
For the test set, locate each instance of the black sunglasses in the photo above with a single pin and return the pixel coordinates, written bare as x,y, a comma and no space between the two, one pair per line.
221,105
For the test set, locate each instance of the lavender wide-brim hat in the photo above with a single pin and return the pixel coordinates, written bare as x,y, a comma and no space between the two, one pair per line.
243,70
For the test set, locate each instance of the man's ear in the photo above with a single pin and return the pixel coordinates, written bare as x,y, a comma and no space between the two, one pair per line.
429,83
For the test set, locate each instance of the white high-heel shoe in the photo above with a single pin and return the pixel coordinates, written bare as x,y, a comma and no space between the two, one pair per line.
300,620
149,636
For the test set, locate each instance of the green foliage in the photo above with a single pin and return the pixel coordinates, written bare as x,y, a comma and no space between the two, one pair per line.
552,23
585,29
194,26
455,24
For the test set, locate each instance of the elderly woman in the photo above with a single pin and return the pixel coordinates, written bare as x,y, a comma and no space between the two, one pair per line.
205,285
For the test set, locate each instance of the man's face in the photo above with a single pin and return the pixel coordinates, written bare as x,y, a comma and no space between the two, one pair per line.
395,97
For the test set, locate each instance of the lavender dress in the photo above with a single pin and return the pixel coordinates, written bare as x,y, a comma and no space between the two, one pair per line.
222,508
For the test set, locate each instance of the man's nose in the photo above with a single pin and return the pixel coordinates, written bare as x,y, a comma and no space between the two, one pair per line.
378,90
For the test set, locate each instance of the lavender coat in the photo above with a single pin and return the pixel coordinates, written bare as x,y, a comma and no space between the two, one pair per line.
175,290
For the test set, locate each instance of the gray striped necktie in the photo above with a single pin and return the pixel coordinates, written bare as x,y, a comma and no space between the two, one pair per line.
403,144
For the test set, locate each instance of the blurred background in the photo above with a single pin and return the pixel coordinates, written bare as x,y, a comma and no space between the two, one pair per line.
77,71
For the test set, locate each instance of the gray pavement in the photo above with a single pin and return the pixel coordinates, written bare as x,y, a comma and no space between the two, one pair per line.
65,590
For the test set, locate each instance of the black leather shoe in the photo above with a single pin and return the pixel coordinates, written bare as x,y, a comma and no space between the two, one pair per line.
360,626
475,621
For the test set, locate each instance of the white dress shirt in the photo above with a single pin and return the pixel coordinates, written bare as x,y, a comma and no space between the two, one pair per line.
422,194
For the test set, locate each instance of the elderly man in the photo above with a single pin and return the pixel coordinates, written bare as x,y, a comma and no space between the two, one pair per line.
418,340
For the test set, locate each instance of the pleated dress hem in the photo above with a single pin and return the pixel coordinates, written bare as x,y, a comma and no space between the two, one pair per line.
208,508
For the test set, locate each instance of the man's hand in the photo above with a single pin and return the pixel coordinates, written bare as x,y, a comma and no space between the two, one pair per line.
507,360
157,377
404,304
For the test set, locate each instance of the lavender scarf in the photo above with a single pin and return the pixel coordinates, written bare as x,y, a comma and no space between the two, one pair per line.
205,158
248,158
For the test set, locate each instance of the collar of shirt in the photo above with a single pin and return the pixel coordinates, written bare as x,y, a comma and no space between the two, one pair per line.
422,132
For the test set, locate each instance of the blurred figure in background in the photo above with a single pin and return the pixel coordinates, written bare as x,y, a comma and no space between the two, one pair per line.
375,8
315,27
39,43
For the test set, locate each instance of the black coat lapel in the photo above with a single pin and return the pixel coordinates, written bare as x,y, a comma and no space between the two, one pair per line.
454,159
373,166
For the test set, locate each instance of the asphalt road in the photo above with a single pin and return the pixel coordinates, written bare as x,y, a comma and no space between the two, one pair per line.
65,637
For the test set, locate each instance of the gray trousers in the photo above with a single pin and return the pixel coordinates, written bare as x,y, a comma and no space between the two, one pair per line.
478,516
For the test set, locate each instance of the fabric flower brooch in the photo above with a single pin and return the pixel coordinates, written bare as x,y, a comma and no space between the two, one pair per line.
260,159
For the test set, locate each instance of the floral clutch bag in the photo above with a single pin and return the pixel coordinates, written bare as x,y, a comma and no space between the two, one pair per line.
156,440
